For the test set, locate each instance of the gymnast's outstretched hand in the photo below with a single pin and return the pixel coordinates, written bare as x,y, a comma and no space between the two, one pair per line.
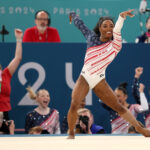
127,13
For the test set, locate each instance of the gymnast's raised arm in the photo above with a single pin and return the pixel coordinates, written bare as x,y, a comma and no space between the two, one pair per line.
79,24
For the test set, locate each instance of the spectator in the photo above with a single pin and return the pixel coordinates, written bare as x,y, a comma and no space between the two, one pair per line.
42,116
118,124
41,32
85,123
145,38
6,75
6,126
136,85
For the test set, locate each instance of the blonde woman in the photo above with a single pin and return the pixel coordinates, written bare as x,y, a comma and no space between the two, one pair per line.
43,115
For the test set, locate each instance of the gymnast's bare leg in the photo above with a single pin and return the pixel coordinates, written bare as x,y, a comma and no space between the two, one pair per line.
106,94
79,93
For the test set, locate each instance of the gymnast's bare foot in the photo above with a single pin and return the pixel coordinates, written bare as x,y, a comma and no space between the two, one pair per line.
143,131
71,135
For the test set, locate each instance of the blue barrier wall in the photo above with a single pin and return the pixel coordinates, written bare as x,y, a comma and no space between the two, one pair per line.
56,67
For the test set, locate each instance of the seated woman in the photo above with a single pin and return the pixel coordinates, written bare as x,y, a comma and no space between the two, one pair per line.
43,115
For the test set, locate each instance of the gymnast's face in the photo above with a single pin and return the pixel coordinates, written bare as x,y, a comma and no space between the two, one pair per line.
121,96
106,30
43,98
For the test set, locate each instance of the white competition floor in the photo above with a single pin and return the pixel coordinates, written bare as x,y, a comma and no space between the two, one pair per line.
98,142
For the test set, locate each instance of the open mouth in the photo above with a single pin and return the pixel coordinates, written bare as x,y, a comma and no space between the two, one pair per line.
46,102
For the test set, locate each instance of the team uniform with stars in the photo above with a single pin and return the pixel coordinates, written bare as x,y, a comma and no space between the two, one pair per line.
49,122
118,124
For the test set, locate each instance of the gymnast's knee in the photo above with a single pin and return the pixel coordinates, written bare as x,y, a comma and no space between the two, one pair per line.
75,105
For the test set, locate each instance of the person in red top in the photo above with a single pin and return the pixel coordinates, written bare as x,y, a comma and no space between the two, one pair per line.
6,75
41,32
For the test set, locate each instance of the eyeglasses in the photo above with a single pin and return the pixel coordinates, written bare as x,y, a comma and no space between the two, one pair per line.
40,19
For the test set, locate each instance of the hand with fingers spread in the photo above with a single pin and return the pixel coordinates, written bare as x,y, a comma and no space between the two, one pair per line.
127,13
